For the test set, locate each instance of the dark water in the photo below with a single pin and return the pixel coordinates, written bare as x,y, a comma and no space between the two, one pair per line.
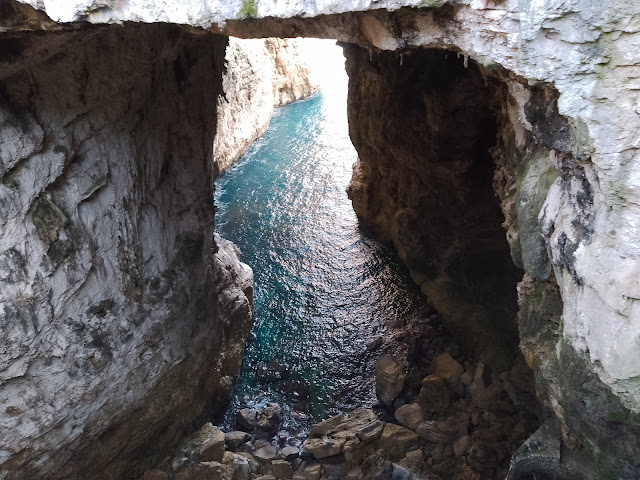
323,286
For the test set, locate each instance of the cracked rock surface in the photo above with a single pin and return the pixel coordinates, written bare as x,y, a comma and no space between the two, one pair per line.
122,319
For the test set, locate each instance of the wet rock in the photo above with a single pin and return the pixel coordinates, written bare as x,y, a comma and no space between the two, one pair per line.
235,439
281,469
389,378
269,418
264,422
396,441
374,344
247,419
409,415
434,395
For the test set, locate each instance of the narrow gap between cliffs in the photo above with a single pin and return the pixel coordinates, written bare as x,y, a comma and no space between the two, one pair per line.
341,318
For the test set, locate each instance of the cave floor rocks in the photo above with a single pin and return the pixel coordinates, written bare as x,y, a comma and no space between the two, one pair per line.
440,415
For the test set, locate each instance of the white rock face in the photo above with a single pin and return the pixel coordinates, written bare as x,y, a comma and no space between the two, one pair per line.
261,75
207,13
113,292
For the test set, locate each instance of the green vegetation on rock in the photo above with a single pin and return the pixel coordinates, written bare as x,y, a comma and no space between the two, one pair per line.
248,10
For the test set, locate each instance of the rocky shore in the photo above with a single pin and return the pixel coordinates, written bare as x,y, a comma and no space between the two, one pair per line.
460,421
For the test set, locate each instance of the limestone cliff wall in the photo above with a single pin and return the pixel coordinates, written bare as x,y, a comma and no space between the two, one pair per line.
457,156
261,75
122,319
577,241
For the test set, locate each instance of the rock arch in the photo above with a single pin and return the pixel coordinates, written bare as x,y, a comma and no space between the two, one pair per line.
110,130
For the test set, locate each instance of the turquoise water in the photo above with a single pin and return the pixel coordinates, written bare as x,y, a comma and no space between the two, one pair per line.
323,286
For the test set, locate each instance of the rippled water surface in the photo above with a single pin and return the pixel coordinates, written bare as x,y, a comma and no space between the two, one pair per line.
323,286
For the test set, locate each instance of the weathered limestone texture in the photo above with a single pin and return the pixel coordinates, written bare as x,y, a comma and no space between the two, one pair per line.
431,158
122,320
261,75
571,71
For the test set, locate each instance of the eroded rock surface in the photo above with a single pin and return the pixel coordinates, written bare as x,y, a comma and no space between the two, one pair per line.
122,319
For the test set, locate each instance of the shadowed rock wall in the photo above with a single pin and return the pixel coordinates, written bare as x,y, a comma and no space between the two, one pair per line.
121,325
451,155
422,124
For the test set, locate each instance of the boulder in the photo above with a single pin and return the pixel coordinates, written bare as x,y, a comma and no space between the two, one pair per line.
411,467
434,395
311,471
443,431
484,392
482,457
236,466
247,419
235,439
253,463
155,475
396,441
449,369
202,471
325,426
205,445
281,469
389,378
269,418
465,472
265,454
409,415
343,434
289,453
462,445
